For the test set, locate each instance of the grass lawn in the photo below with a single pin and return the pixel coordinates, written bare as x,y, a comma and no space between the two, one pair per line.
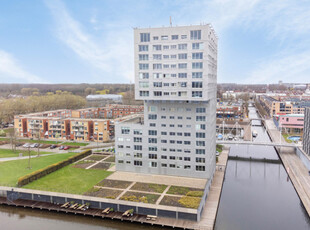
75,144
10,171
69,180
9,153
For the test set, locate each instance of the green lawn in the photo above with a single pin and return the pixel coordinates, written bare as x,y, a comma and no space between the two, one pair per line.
9,153
69,180
75,143
10,171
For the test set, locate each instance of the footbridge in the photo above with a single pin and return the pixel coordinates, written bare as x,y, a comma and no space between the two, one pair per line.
274,144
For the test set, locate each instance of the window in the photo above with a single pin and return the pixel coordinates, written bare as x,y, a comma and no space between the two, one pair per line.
183,36
157,56
173,47
156,47
125,130
144,75
144,84
143,48
200,151
196,84
182,75
200,135
152,132
172,165
137,139
197,55
200,168
197,74
143,66
195,34
187,134
172,133
164,37
182,65
152,140
144,37
200,118
187,142
163,117
137,163
200,143
200,110
158,66
152,116
143,57
153,164
179,142
164,157
196,94
164,165
155,38
144,93
187,166
163,133
182,46
197,46
157,93
182,56
166,66
165,47
152,156
180,118
175,37
200,127
187,159
137,147
172,157
173,56
157,84
153,148
164,141
157,75
137,155
166,56
197,65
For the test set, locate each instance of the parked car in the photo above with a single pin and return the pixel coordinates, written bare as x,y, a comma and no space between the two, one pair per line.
217,153
61,147
53,146
26,145
33,145
66,147
19,144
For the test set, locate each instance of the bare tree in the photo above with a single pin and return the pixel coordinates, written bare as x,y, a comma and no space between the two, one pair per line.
13,139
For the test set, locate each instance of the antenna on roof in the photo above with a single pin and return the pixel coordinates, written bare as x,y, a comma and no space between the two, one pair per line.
170,22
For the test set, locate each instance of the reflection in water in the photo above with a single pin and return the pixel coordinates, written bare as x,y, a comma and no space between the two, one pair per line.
256,192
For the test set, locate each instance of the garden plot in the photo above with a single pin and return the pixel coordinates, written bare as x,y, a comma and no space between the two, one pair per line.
101,165
102,192
114,183
83,164
156,188
140,197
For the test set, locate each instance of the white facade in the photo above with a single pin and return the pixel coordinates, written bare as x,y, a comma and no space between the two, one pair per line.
175,75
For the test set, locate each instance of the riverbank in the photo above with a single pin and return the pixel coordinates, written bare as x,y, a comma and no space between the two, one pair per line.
297,171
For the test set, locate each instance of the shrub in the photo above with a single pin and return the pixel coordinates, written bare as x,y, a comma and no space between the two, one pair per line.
51,168
195,193
190,202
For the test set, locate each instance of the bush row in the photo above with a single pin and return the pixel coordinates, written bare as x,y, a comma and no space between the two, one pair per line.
51,168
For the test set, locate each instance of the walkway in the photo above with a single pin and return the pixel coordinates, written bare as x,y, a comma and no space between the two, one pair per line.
296,170
276,144
208,215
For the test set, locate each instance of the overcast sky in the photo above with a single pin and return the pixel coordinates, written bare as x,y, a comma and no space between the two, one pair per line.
66,41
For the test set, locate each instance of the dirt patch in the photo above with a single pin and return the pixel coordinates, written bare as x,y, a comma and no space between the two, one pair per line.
114,183
83,164
103,166
158,188
105,193
140,197
95,157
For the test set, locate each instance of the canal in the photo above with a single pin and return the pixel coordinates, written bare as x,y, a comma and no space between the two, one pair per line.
257,193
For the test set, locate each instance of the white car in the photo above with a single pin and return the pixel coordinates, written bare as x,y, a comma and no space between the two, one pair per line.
26,145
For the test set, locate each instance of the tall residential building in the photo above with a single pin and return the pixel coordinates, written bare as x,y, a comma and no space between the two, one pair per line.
176,77
306,136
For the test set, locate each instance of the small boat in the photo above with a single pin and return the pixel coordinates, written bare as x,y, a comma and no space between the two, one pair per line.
254,133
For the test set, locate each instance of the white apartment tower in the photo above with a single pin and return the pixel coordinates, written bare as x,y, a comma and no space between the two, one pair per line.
176,77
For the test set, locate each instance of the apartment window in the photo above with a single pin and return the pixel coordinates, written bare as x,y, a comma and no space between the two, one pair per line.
144,84
143,48
164,165
196,84
180,126
137,147
125,130
143,66
155,38
144,93
156,47
197,65
171,125
187,166
164,157
197,55
157,75
152,140
187,142
137,139
157,56
179,142
163,117
173,74
182,75
197,74
152,156
163,133
153,164
153,148
200,168
137,155
200,110
165,47
157,66
172,157
187,159
152,132
197,46
172,141
143,57
166,56
180,118
163,125
164,37
200,151
144,75
200,135
195,34
200,127
152,116
196,94
157,84
166,66
137,163
164,141
200,118
175,37
120,161
183,36
166,84
182,56
172,133
200,143
182,46
144,37
173,47
157,93
182,65
173,56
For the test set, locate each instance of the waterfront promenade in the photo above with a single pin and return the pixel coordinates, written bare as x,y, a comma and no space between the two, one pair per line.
295,168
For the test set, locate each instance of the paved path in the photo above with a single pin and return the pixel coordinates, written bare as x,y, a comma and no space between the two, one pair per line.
97,162
296,170
125,190
209,212
163,194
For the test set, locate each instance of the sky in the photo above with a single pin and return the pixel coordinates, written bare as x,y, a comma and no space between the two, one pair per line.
71,41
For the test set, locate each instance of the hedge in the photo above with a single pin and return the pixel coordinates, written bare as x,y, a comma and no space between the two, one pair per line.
51,168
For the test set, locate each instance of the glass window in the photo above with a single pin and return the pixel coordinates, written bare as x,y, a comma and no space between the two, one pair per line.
143,84
196,84
164,37
182,65
157,93
182,46
144,75
156,47
182,56
196,93
157,66
197,65
200,118
200,110
175,37
197,55
182,75
183,36
157,56
144,37
143,57
165,47
143,66
166,56
200,168
197,46
173,56
195,34
144,93
143,48
173,47
157,84
155,38
157,75
197,74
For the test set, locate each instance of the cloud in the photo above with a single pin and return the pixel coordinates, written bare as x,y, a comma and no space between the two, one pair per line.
110,55
9,67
